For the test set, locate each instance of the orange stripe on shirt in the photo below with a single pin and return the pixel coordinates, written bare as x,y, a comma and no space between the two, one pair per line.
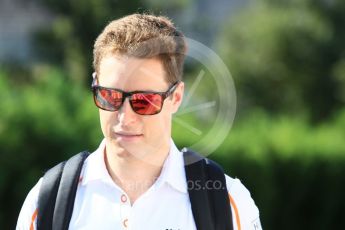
33,218
233,205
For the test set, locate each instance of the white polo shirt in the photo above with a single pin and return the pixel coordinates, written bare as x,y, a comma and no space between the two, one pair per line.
101,204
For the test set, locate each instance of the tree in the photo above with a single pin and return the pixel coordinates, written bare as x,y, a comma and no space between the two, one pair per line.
288,56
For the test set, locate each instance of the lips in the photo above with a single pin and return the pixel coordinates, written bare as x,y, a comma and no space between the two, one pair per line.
128,136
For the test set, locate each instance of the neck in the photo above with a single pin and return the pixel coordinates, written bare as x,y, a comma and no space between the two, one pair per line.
134,174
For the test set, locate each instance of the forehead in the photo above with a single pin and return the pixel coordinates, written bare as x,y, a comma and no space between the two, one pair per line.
130,73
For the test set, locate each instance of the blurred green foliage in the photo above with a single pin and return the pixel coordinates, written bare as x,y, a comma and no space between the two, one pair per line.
40,124
287,58
295,171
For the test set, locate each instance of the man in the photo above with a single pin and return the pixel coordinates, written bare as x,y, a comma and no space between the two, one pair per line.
136,178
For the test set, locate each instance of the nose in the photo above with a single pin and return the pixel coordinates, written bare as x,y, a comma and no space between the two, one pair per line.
126,115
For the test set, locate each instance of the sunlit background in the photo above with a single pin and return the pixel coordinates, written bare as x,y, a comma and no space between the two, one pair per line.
287,60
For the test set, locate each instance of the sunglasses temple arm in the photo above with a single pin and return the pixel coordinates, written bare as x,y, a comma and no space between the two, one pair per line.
172,89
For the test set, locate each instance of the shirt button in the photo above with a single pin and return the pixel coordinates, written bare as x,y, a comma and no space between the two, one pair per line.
125,223
123,198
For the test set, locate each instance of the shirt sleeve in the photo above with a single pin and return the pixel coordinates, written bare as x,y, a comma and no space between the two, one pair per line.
245,214
28,214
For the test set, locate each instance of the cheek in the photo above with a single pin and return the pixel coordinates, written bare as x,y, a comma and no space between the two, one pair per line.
158,127
107,120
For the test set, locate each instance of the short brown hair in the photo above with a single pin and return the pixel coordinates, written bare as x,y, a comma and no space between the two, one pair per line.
144,36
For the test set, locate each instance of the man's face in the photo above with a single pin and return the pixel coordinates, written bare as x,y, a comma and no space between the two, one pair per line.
129,134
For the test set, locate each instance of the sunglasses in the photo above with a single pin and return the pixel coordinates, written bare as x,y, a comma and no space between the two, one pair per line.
142,102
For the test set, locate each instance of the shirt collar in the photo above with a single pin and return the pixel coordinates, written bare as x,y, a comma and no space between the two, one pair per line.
95,168
173,172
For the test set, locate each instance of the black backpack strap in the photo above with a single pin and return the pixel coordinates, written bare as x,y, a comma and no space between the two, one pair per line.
207,192
199,197
47,195
219,196
57,194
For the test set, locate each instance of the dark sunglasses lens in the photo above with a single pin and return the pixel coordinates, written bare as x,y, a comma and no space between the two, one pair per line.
146,104
108,99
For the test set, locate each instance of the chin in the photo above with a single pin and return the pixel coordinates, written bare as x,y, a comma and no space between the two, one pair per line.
131,150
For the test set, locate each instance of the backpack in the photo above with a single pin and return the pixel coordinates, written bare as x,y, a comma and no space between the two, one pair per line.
210,207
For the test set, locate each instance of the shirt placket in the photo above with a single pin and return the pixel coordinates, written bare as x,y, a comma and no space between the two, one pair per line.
125,211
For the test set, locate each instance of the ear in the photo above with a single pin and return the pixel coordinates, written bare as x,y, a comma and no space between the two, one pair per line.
177,97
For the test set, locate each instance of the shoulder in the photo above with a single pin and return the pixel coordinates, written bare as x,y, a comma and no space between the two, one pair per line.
244,210
28,213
